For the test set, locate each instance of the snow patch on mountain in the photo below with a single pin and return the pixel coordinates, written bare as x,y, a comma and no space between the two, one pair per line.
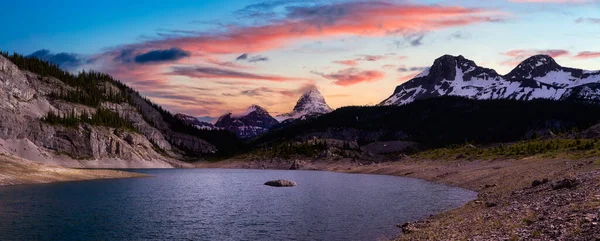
254,121
193,121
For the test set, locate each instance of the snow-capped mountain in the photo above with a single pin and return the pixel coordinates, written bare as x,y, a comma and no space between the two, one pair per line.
252,122
537,77
310,104
193,121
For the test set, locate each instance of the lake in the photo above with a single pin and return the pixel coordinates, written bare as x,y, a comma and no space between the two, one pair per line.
223,204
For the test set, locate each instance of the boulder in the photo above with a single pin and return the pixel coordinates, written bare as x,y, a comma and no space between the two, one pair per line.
281,183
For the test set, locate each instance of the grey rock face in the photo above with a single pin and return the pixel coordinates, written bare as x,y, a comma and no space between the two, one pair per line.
23,101
181,140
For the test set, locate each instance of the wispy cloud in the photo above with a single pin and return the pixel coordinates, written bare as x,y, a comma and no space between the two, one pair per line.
588,20
352,76
519,55
587,55
252,59
218,73
411,69
362,58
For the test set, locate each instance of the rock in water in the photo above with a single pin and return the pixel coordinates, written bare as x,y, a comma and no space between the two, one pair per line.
281,183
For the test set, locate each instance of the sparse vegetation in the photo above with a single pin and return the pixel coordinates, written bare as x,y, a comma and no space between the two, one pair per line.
88,86
292,149
102,117
574,148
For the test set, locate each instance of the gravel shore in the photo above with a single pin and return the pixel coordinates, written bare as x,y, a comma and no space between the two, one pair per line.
17,171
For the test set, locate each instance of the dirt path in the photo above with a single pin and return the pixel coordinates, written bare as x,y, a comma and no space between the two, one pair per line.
16,171
564,205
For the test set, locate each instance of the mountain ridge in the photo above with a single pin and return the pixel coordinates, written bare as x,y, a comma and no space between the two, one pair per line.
90,120
255,120
538,76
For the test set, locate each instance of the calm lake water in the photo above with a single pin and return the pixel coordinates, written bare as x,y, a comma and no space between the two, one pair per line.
222,204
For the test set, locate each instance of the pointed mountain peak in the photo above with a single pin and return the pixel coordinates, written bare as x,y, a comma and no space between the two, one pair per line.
312,101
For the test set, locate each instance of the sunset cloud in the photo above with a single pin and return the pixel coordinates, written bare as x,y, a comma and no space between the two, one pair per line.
587,55
270,91
362,58
519,55
218,73
554,53
352,76
323,21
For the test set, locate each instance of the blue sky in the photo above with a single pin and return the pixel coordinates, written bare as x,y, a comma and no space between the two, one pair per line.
354,52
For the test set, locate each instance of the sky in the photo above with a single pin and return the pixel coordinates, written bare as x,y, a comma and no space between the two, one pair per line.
211,57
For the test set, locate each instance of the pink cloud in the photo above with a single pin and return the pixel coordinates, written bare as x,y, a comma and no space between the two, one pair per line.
353,76
554,53
587,55
363,58
218,73
552,1
349,62
339,19
519,55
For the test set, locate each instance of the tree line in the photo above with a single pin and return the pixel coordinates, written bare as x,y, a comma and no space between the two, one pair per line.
102,117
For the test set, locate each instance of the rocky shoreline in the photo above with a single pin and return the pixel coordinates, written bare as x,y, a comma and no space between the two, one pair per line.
525,199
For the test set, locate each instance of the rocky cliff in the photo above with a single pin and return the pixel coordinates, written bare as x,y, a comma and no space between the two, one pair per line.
27,97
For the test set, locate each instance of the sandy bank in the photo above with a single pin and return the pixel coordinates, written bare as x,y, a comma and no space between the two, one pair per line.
508,206
16,171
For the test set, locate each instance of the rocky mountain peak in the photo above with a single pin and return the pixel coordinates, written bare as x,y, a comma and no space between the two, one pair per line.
534,66
450,68
311,103
254,121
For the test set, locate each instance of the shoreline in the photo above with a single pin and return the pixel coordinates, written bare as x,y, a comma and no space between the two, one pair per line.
508,206
18,171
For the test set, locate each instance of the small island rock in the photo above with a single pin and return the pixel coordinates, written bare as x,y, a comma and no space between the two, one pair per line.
281,183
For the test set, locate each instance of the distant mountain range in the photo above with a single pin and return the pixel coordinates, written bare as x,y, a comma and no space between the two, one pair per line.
538,77
256,120
74,119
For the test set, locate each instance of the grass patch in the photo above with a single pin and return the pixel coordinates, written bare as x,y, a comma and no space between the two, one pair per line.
548,148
